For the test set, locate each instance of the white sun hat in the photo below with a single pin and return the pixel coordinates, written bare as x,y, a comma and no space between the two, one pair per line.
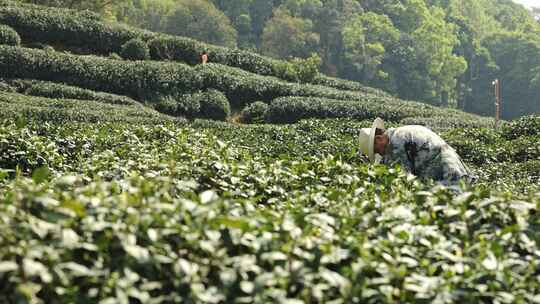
367,139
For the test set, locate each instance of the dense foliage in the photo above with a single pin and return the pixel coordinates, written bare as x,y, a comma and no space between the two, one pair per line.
214,105
105,200
9,36
164,213
135,49
436,51
141,80
20,107
85,34
62,91
254,113
293,109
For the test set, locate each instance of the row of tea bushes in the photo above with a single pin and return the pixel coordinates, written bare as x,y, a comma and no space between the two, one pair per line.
164,213
293,109
62,91
68,27
134,79
210,104
64,111
514,142
9,36
78,72
83,31
142,80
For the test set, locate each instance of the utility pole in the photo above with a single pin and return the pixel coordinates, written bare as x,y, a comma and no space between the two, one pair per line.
497,84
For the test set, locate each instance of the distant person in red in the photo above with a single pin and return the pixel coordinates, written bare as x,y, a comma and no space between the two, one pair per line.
204,57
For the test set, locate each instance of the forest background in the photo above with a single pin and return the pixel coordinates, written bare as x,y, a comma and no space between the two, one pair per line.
442,52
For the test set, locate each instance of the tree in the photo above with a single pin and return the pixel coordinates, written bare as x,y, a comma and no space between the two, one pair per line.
309,9
260,11
201,20
147,14
435,40
329,25
104,7
366,38
238,12
287,36
518,58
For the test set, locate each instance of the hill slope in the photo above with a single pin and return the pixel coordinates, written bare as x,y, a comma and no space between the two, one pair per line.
105,200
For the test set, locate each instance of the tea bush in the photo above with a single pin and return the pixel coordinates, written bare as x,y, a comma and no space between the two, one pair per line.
142,80
527,125
134,79
211,104
254,113
9,36
71,28
61,91
84,32
40,109
165,47
139,79
214,105
293,109
165,213
135,49
169,105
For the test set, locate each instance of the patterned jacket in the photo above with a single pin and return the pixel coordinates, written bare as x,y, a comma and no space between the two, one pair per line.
425,154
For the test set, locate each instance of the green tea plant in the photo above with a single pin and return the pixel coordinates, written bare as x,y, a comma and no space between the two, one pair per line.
85,32
21,107
165,213
254,113
135,49
144,80
62,91
293,109
214,105
9,36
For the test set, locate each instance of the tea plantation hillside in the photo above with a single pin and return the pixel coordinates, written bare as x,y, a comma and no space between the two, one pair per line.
126,181
84,32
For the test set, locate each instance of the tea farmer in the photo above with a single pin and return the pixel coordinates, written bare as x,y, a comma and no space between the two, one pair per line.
417,149
204,57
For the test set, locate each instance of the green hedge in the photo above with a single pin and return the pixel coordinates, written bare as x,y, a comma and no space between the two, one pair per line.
143,79
254,113
293,109
69,28
214,105
211,104
134,79
9,36
83,31
140,79
65,111
188,50
527,125
62,91
135,49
